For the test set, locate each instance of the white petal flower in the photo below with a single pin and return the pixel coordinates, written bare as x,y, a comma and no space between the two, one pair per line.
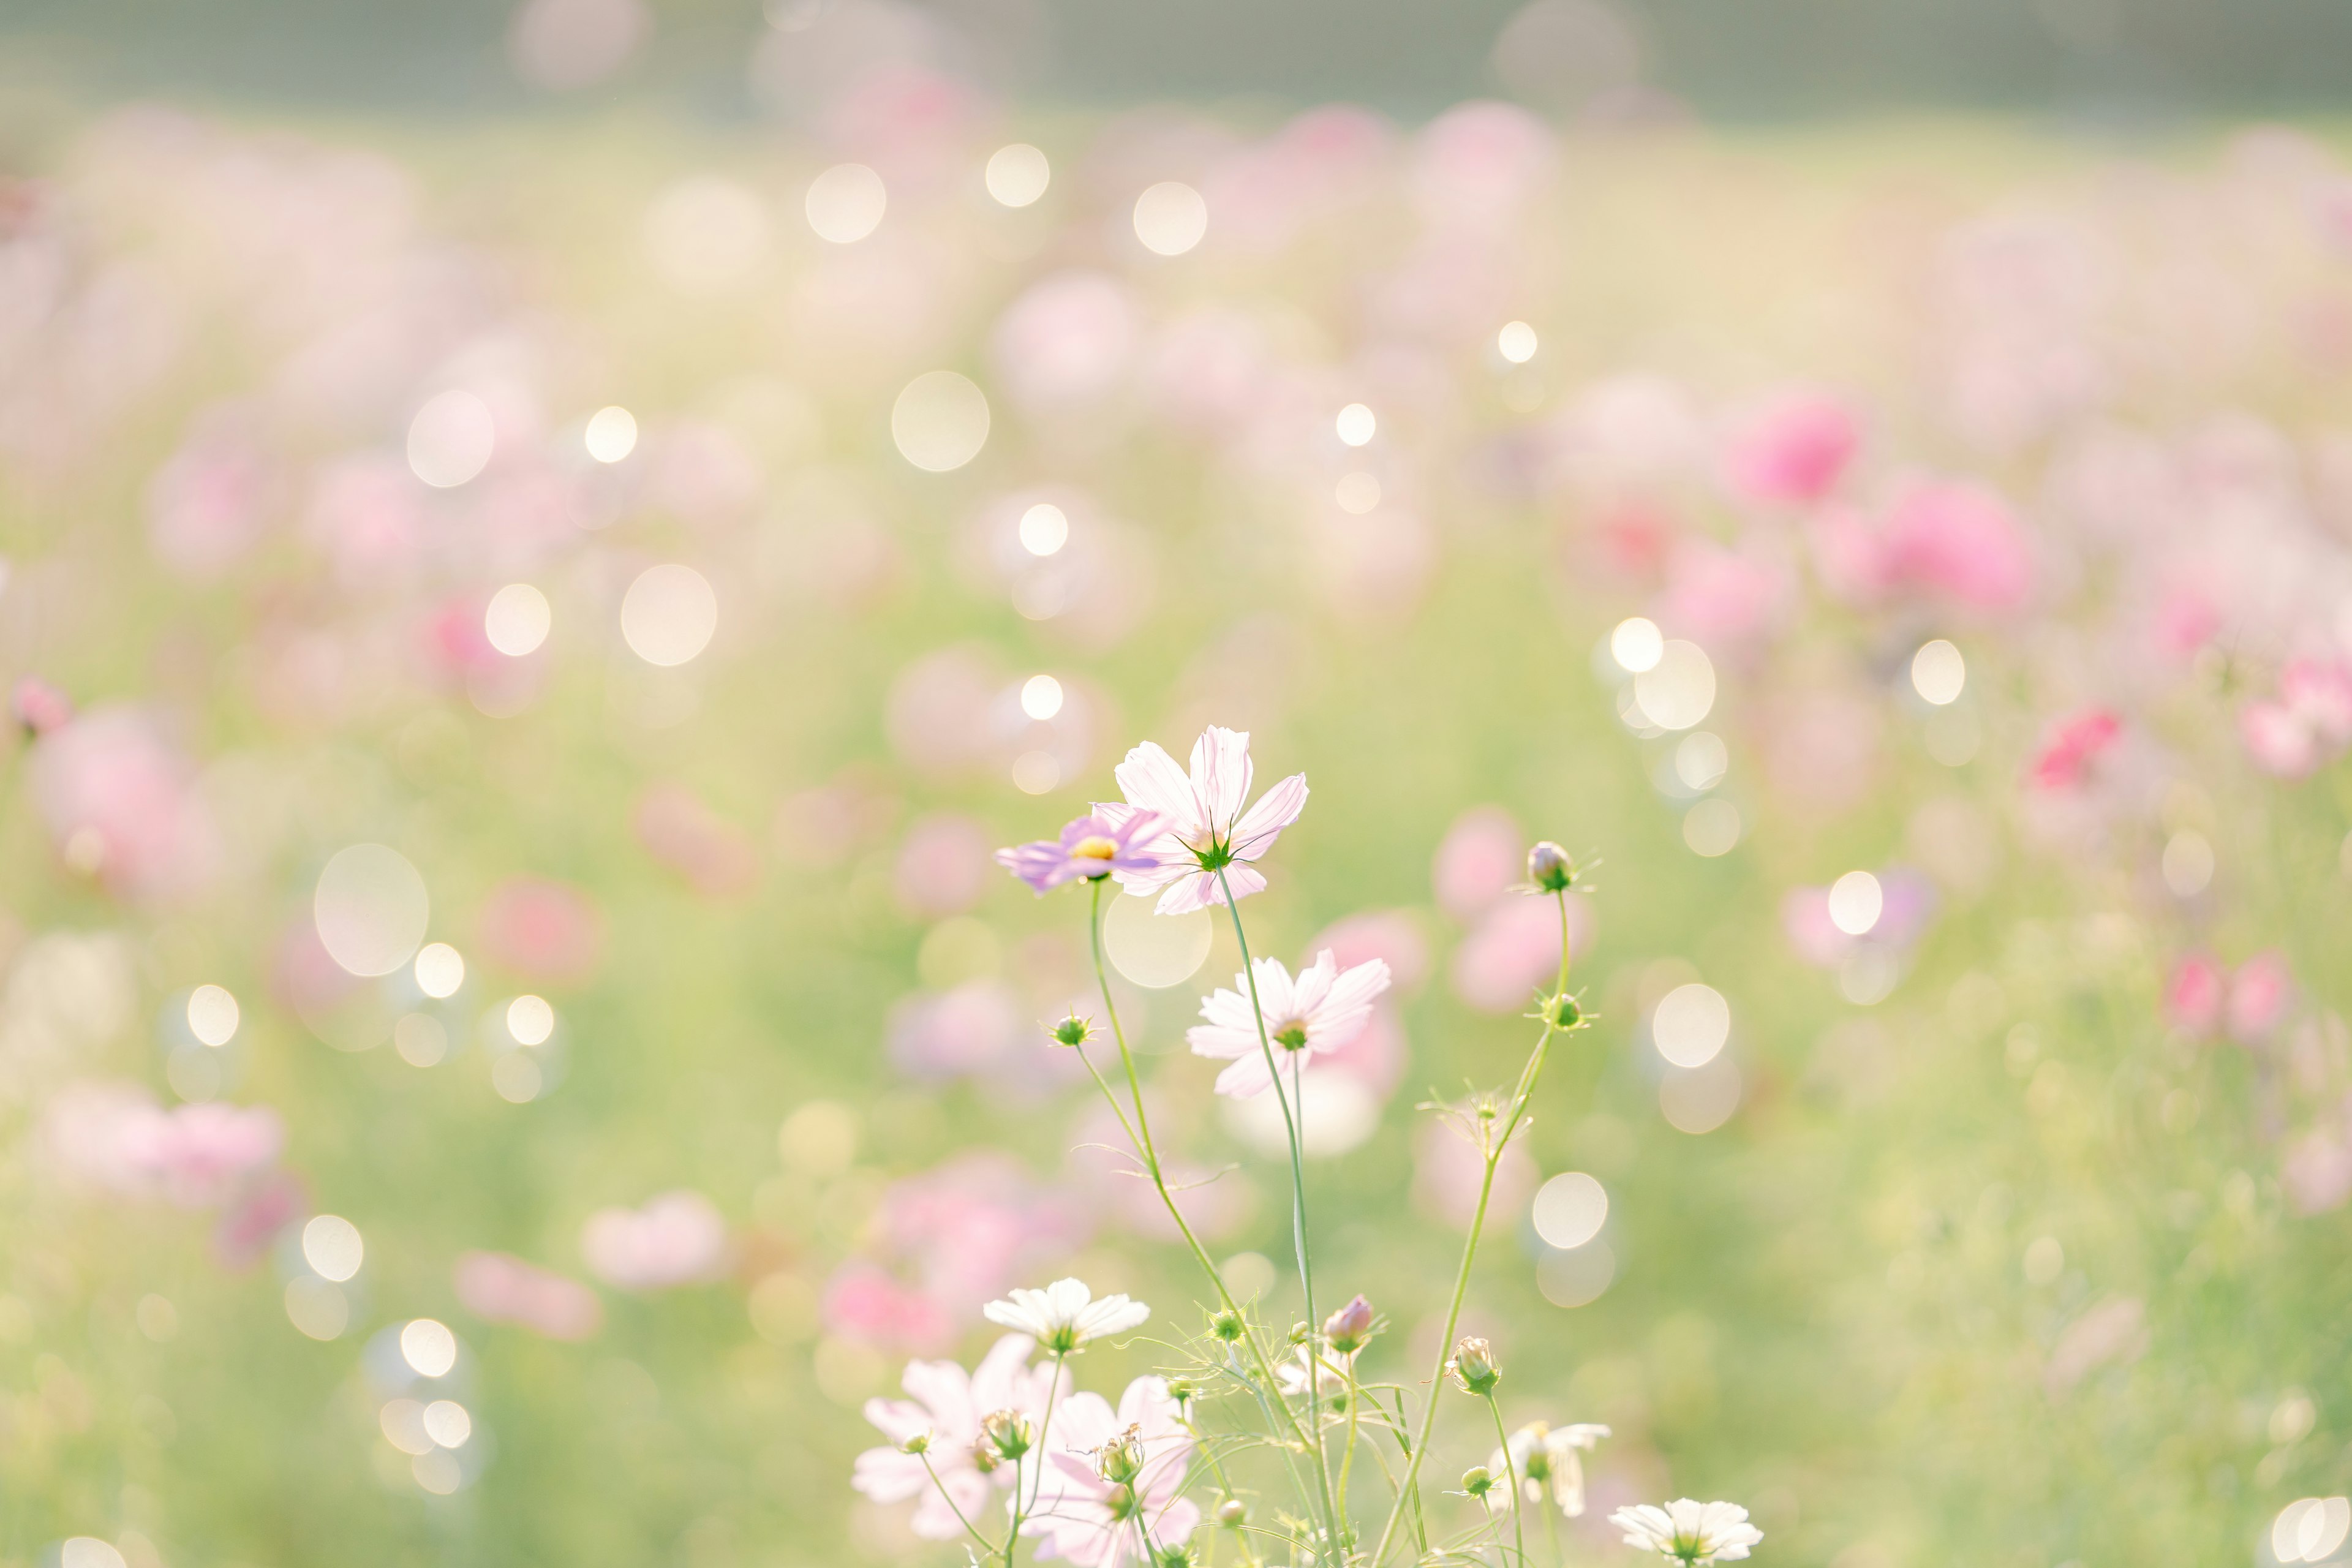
1206,833
1546,1459
1689,1532
1317,1011
1065,1315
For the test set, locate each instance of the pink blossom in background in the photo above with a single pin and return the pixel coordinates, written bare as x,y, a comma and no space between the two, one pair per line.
2311,719
2071,748
2196,995
120,800
1480,858
542,929
863,1302
1447,1171
1103,1168
500,1287
937,713
980,1031
39,708
2317,1171
1514,951
946,1241
1962,542
208,505
1475,165
1392,936
946,1404
684,835
1375,1056
1908,901
2116,1329
194,1156
562,46
1067,341
676,1239
2278,741
824,824
1723,597
2260,994
253,1221
1792,452
1322,160
1206,371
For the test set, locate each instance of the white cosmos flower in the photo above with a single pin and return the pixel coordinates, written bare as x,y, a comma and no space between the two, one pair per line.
1065,1315
1544,1457
1689,1532
1319,1011
1204,831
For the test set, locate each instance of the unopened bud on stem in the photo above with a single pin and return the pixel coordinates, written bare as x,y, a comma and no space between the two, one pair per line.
1474,1367
1549,868
1348,1329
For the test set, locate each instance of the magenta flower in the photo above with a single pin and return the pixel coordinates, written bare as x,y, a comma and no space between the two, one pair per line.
1095,845
1113,1479
1316,1013
2072,746
1206,831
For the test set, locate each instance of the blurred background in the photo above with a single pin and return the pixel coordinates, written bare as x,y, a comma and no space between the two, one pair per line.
542,548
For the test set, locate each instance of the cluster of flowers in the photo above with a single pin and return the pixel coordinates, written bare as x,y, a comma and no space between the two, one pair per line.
1102,1487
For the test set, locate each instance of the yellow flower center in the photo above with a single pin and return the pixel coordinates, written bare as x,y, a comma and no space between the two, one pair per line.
1095,848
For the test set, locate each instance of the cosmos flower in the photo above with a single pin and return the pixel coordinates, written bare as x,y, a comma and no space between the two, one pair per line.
1687,1532
1107,1471
1319,1011
1063,1315
1206,831
948,1408
1092,846
1544,1457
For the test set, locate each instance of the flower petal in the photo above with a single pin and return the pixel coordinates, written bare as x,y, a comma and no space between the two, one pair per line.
1221,775
1276,809
1151,780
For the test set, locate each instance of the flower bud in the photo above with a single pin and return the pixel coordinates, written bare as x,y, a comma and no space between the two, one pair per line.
1549,868
1301,1332
1072,1031
920,1443
1233,1513
1182,1390
1565,1012
1227,1325
1008,1433
1348,1329
1176,1555
1120,1460
1474,1367
1478,1481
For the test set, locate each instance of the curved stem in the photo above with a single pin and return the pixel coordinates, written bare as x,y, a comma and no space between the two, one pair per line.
1511,1476
986,1545
1529,1077
1020,1507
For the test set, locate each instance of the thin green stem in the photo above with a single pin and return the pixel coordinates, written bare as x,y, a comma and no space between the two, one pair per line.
1021,1506
1511,1476
1551,1529
1290,1119
1529,1077
1348,1450
986,1545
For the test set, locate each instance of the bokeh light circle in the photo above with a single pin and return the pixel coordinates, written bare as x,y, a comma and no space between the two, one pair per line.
1856,900
428,1347
212,1014
531,1020
450,438
611,435
939,422
1155,951
1044,529
518,619
1637,645
331,1246
1040,697
668,614
1938,672
1018,174
1690,1025
1570,1209
1356,425
440,970
846,203
1712,829
371,909
1170,217
1516,342
1677,692
448,1422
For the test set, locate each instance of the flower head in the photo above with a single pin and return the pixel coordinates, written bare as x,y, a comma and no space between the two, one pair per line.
40,707
1109,1472
1092,846
1348,1329
1551,869
1317,1011
1689,1532
1474,1367
1545,1459
1204,832
956,1426
1065,1315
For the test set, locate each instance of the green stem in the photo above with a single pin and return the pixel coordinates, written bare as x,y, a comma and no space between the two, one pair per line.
1298,1196
1551,1529
1511,1476
1021,1506
986,1545
1529,1077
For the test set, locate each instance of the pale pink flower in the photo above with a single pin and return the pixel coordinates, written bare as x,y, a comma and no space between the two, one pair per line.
677,1238
1481,856
2310,719
193,1155
2116,1329
2196,995
2072,746
1313,1015
1067,341
502,1289
2277,739
1447,1170
1793,452
1090,847
255,1218
2317,1173
1065,1316
1209,834
1107,1470
1392,935
864,1302
680,830
1513,950
40,707
942,866
1957,543
946,1407
2260,994
1723,596
121,801
542,929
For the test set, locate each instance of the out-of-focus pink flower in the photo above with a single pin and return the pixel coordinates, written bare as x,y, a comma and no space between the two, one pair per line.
1447,1171
40,707
863,1302
942,866
121,802
2310,719
2261,993
1474,166
1090,847
1103,1167
1394,936
1724,597
1096,1521
2113,1330
1908,902
500,1287
937,714
676,1239
1207,828
1477,860
1793,452
559,45
2071,747
207,506
2280,742
1067,341
2317,1171
2196,995
1514,951
822,826
980,1031
1317,1013
947,1405
544,930
193,1155
684,835
1957,542
249,1225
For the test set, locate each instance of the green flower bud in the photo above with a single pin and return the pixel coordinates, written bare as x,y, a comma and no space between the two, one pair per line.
920,1443
1073,1031
1227,1325
1478,1481
1549,868
1008,1433
1474,1367
1233,1513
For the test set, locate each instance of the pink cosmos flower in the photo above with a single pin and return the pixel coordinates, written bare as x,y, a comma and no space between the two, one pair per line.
1092,846
2202,997
948,1405
2195,996
1106,1472
1793,453
2310,719
1208,834
2260,994
197,1155
503,1289
40,707
1314,1015
1515,948
677,1238
2070,746
1481,856
544,930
